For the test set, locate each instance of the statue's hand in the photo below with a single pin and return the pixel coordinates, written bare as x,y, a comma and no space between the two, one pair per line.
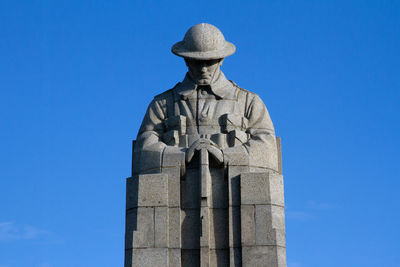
211,147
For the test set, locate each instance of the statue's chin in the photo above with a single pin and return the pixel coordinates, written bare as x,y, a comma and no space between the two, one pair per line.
203,82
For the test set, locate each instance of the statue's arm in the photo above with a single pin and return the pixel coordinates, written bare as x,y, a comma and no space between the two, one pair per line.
149,148
260,150
262,142
149,136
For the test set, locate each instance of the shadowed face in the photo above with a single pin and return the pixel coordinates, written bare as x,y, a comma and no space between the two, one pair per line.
203,72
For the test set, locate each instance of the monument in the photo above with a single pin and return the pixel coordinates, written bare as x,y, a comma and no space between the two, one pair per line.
206,186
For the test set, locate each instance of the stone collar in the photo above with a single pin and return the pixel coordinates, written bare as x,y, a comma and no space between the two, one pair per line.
222,88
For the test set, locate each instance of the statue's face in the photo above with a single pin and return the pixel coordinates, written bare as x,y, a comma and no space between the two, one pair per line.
204,72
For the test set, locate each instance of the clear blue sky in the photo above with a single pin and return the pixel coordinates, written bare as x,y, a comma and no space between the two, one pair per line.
77,76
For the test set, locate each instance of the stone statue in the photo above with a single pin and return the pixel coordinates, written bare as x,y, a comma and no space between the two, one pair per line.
206,186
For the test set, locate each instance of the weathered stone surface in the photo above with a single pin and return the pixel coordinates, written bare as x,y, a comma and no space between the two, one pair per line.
173,157
276,189
205,227
140,228
205,257
174,257
236,156
147,190
258,169
191,190
261,188
259,157
268,256
234,227
219,257
235,257
254,188
174,187
190,225
219,229
219,189
269,225
278,217
174,228
161,227
190,257
248,225
234,183
148,257
148,161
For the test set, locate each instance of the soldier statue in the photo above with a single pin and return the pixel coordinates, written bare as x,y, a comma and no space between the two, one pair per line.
211,145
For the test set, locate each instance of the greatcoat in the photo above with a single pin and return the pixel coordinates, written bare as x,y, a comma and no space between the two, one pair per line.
235,119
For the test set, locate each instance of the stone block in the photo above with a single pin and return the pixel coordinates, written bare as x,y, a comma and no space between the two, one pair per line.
147,161
236,170
173,157
161,227
264,155
190,257
174,257
218,257
276,189
148,257
205,227
235,257
234,183
266,232
190,223
174,227
281,256
191,189
261,188
254,188
205,257
219,229
268,256
147,190
234,227
278,217
219,189
174,185
139,228
248,226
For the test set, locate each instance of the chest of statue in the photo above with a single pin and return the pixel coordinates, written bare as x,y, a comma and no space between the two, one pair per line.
203,114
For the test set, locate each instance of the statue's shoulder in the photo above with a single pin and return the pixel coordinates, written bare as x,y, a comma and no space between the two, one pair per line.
243,92
166,95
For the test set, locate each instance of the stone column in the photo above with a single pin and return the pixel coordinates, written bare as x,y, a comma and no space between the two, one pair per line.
262,219
171,166
146,236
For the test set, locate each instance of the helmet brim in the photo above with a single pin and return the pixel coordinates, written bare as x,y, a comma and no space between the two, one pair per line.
180,50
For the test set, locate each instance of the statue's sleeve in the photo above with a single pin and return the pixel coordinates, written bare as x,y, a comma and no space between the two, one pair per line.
149,148
260,150
150,132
